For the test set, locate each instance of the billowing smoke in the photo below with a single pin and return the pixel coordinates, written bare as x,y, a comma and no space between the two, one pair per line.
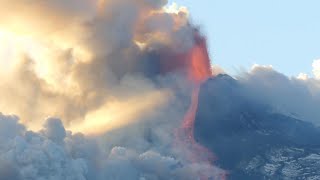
75,59
123,78
54,153
117,73
294,96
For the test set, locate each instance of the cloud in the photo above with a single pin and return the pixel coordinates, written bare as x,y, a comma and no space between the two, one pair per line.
316,68
74,59
8,171
298,96
54,153
54,130
303,76
113,70
216,70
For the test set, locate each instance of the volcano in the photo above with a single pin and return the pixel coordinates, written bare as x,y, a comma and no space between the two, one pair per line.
251,140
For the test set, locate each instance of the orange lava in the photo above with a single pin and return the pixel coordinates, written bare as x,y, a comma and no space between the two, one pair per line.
194,151
197,67
198,70
195,63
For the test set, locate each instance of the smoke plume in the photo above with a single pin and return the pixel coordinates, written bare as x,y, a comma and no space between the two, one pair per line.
117,73
73,59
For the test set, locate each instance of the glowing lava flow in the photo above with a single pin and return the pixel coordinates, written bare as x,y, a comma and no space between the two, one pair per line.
195,152
199,70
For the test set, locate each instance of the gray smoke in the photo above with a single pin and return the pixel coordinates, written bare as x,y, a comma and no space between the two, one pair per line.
294,96
54,153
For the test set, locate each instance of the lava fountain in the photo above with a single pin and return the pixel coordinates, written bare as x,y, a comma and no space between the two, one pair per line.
198,70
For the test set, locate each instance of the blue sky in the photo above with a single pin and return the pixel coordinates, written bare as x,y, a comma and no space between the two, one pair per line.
282,33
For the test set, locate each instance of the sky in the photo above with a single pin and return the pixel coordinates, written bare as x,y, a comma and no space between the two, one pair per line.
281,33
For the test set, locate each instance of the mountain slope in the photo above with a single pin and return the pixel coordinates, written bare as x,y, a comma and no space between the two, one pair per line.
250,139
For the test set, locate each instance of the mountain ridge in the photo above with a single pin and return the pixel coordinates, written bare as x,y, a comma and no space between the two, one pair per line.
241,130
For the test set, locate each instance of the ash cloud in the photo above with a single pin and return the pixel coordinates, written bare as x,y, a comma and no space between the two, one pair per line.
54,153
73,59
104,68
